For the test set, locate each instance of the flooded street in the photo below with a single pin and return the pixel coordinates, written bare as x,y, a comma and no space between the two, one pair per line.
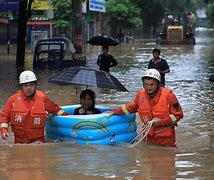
193,159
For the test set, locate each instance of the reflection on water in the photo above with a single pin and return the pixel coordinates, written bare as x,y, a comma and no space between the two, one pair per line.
66,159
106,161
190,70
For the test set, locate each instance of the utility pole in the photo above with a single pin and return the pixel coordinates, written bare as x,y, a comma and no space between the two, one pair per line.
50,16
77,25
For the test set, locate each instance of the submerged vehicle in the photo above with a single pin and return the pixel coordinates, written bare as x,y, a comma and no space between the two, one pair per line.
177,30
56,53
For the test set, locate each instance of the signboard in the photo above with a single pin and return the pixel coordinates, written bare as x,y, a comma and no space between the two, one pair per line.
6,5
40,5
38,23
97,5
84,6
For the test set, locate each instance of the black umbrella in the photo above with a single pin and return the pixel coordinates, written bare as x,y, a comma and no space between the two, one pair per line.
103,40
211,79
88,77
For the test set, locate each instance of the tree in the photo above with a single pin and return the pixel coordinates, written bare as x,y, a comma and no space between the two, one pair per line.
151,13
123,14
62,14
208,1
179,6
24,14
63,21
210,10
210,13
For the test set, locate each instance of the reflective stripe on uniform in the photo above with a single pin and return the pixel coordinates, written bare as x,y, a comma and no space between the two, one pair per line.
60,112
125,110
6,125
173,118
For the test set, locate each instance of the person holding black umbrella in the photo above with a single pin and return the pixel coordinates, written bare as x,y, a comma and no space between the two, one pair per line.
105,61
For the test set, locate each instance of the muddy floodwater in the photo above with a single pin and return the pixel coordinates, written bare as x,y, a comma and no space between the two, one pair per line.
190,68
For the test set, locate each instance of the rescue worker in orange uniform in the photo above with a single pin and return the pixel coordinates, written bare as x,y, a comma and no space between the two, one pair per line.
26,111
157,104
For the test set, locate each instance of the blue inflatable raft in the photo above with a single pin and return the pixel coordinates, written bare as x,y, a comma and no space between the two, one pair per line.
92,129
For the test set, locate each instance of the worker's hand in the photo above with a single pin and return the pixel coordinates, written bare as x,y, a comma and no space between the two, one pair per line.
156,122
82,111
64,114
4,132
145,119
111,113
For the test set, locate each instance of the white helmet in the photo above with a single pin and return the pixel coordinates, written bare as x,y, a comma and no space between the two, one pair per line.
27,76
152,73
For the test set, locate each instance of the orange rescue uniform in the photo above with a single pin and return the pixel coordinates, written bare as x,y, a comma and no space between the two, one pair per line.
27,116
164,105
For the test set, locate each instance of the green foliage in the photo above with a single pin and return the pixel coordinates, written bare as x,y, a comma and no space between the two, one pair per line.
62,13
210,13
151,11
179,5
208,1
123,14
199,3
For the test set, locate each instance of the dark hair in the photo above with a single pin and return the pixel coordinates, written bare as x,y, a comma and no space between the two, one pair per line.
156,50
147,77
90,93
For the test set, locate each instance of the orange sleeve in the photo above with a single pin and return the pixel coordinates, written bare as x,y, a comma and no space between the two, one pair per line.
50,106
5,113
175,110
118,111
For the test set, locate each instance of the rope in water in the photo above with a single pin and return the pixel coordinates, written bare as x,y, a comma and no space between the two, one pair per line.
142,134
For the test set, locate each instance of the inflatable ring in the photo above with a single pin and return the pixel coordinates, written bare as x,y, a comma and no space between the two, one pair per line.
92,129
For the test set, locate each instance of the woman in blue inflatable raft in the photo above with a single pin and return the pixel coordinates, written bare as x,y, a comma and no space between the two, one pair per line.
87,124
